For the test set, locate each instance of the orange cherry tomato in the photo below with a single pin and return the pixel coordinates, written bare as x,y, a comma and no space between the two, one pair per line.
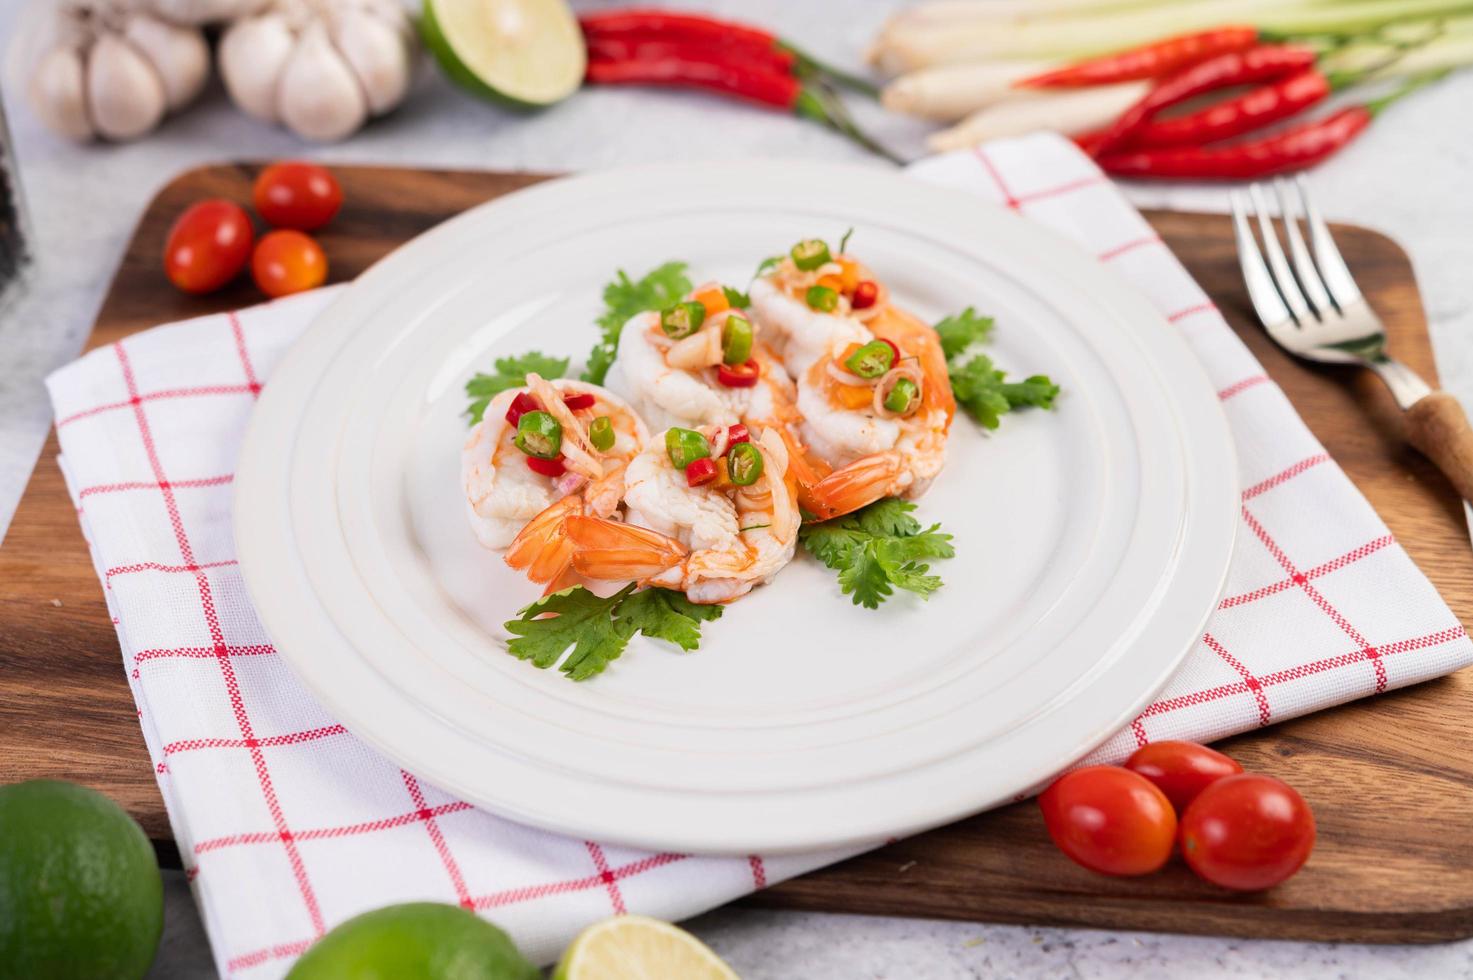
297,195
288,262
208,245
713,299
1181,770
1247,832
1109,820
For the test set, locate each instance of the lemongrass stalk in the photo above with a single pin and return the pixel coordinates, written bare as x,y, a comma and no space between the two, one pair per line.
1449,52
1088,36
952,11
947,93
1068,111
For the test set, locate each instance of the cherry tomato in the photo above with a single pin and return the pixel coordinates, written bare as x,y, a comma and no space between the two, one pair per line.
738,375
1247,832
865,295
1109,820
547,467
288,262
1181,770
208,246
297,195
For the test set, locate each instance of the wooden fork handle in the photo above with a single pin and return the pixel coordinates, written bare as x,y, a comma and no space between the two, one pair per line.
1438,426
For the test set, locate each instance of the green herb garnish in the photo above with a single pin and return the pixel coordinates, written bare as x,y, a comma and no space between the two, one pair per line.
980,387
511,372
878,549
623,298
597,629
962,331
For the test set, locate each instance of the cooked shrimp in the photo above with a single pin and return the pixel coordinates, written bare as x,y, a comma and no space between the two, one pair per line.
502,490
713,544
859,443
683,381
801,334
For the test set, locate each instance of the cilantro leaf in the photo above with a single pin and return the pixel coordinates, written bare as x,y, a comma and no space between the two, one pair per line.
737,298
666,615
582,620
962,330
843,242
767,265
511,372
623,298
984,392
878,549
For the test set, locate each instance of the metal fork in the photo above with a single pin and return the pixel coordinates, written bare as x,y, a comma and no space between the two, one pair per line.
1312,308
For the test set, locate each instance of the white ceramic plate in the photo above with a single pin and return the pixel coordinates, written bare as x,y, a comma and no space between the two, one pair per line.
1092,541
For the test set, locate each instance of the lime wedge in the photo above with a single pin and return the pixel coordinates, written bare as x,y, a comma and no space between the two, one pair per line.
528,53
633,947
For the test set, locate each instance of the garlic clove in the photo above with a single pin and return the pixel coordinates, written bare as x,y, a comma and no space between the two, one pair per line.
179,55
58,93
124,93
202,11
253,53
318,96
377,54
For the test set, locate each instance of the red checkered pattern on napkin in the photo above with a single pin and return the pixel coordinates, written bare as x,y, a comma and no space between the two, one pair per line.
288,825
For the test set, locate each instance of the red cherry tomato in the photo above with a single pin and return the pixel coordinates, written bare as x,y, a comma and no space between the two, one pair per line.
735,434
208,246
1181,770
297,195
287,262
738,375
521,405
547,467
1109,820
865,295
1247,832
701,472
579,400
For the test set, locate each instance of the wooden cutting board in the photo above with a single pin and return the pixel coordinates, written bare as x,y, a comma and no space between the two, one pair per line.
1390,778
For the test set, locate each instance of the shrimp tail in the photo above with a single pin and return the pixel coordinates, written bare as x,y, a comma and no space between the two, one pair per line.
851,487
542,548
805,469
614,551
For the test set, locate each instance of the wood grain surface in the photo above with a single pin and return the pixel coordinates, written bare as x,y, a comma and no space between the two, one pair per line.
1390,778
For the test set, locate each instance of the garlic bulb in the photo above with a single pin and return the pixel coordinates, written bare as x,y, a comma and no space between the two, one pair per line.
112,71
203,11
319,67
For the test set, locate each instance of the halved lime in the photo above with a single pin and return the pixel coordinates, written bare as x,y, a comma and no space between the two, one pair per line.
528,53
633,947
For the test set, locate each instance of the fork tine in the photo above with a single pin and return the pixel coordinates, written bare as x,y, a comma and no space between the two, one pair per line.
1304,269
1327,257
1277,264
1261,290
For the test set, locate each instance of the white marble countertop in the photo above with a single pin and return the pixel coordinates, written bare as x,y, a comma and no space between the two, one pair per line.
1408,177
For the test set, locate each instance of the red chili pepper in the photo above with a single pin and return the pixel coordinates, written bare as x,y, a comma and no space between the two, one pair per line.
735,434
1252,110
700,472
1259,64
688,27
1292,149
1154,60
654,47
738,376
521,405
866,293
579,400
547,467
712,74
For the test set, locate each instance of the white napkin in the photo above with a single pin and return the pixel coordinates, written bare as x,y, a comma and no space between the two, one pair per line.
288,825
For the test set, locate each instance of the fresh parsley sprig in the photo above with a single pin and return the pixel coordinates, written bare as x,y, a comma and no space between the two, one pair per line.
878,549
980,387
511,372
598,628
623,298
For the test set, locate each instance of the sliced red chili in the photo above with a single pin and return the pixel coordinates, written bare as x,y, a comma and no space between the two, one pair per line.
579,400
737,433
701,471
893,347
521,405
866,294
738,375
547,467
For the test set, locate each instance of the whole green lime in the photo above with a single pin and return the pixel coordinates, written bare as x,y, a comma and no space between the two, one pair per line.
80,891
417,941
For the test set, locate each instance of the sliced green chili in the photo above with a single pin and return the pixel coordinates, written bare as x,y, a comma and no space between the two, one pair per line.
736,340
601,433
822,298
744,462
903,396
871,360
810,253
682,319
685,446
540,435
